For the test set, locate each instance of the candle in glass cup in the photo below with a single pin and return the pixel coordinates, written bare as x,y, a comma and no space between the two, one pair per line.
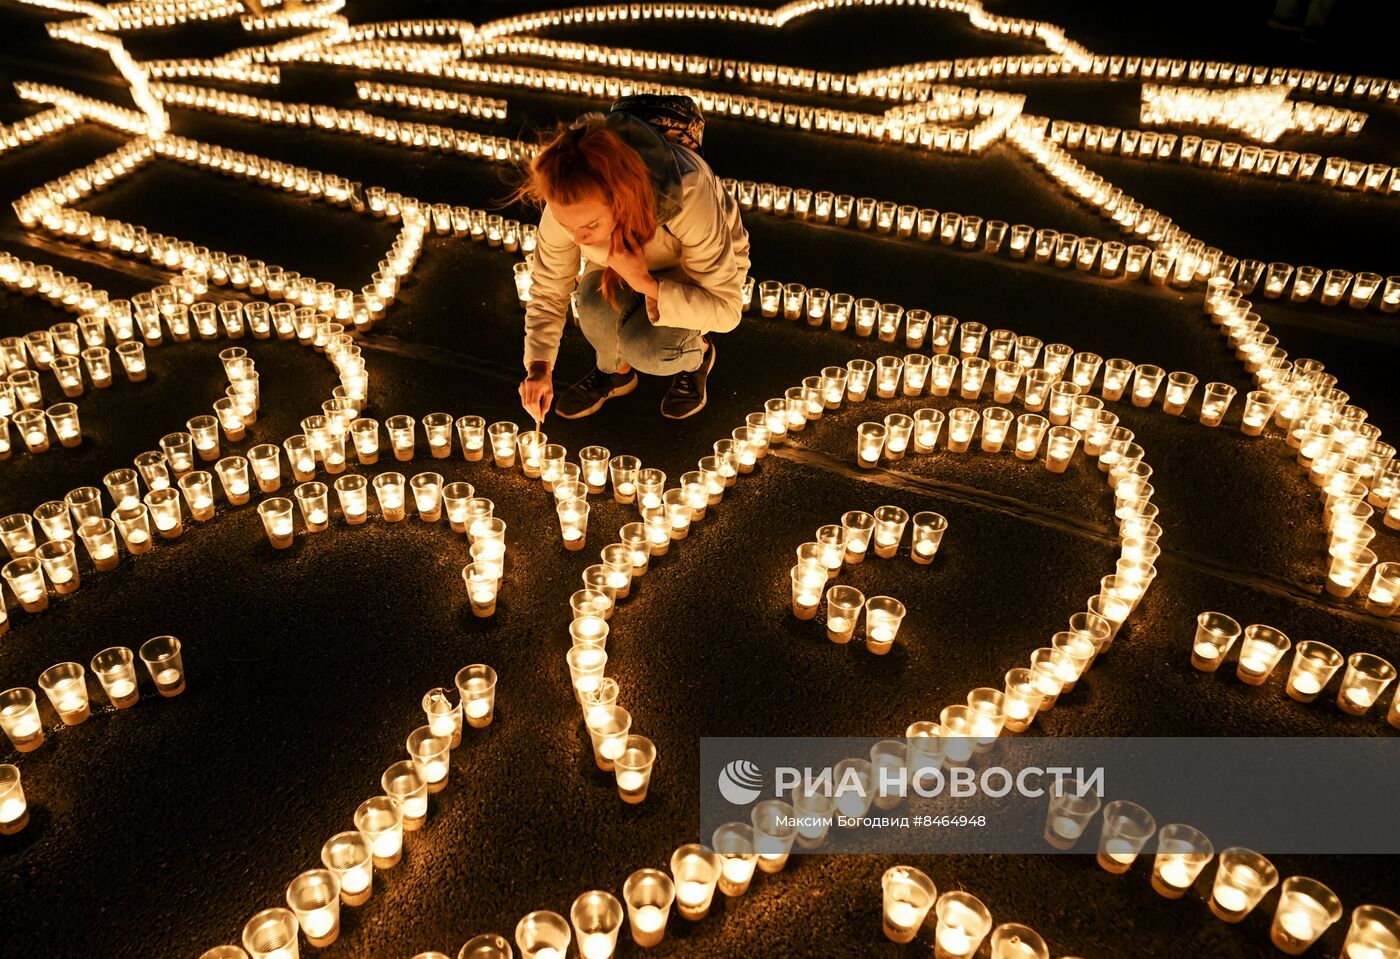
380,819
928,530
860,528
594,461
695,872
14,807
909,894
996,422
349,856
1306,909
1182,852
438,429
66,687
531,444
962,423
314,896
1059,447
1021,699
1127,827
1069,814
1365,679
889,530
19,717
1214,402
503,443
870,443
843,608
60,562
1242,879
608,726
389,490
963,923
276,515
1215,634
476,686
1030,430
197,487
431,755
1011,940
427,496
638,541
471,436
265,460
401,436
63,419
1260,650
114,669
808,580
928,423
623,470
165,512
1350,564
632,768
883,615
648,894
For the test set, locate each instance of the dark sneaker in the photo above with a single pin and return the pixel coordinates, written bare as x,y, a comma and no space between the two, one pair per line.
593,391
686,397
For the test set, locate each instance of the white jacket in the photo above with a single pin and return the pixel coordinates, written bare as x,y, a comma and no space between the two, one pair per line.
699,253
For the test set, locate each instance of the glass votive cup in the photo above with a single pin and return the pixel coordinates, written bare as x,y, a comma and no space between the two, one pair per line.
808,579
597,918
1306,909
427,495
1374,934
573,522
1030,430
889,530
963,923
1011,940
349,857
734,843
265,460
928,423
695,872
1242,878
271,934
1258,407
1365,679
883,615
1350,564
83,503
63,419
909,894
163,507
608,726
276,514
431,755
115,670
594,461
19,717
14,807
962,423
314,896
66,687
503,443
632,768
404,782
483,580
99,536
1069,814
898,429
401,436
352,492
233,476
437,427
1182,852
843,607
33,429
197,487
870,443
1059,447
476,685
380,819
996,422
60,561
927,531
1215,634
389,491
133,359
623,471
313,499
161,655
860,527
364,435
635,537
1127,827
649,894
1260,650
531,445
1314,664
677,505
1021,700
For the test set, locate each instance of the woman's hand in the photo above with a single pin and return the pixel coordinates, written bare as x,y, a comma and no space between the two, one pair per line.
629,264
537,390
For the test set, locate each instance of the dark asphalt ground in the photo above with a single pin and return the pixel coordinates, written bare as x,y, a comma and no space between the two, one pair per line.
159,830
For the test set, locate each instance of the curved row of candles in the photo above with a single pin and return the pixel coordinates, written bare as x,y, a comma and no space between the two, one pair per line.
859,532
1314,664
65,686
350,859
426,98
1229,157
1262,113
48,206
1305,909
1344,455
1184,260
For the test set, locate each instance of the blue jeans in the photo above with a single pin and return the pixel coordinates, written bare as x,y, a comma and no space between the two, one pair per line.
626,335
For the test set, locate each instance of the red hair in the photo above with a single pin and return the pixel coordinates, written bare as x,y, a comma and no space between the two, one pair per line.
586,160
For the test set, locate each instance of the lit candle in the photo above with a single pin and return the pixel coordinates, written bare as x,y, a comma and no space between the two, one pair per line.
649,919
